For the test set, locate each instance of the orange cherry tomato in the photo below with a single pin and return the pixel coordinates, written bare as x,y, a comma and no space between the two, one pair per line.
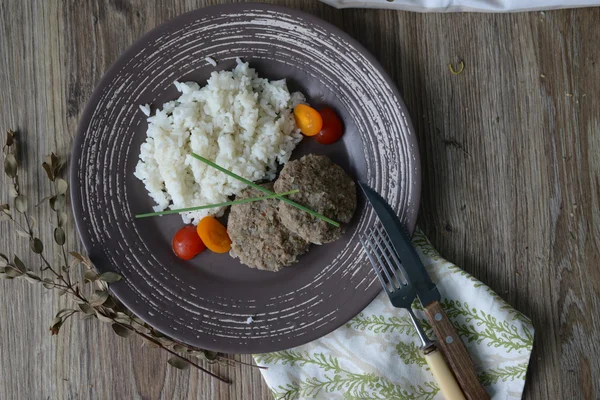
214,235
332,129
308,119
187,244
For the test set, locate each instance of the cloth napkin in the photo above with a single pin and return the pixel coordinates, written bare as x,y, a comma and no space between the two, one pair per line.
463,5
376,355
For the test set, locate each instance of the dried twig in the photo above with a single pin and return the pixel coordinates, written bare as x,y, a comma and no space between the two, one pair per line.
91,296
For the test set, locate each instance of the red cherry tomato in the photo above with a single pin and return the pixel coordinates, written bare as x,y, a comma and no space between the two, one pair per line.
332,129
187,244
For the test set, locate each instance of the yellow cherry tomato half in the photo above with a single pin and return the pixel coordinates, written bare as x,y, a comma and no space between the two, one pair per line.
308,119
214,235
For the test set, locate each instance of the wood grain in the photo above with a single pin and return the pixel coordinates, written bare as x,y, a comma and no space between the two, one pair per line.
510,150
455,352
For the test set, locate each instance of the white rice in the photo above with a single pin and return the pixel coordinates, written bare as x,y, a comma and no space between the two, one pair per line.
145,109
240,121
211,61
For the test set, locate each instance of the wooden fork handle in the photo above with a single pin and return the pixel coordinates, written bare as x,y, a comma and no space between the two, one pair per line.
456,353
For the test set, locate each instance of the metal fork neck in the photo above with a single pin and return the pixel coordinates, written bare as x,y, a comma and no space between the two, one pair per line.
425,342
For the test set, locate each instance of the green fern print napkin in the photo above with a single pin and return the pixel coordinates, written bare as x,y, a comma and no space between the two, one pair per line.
376,355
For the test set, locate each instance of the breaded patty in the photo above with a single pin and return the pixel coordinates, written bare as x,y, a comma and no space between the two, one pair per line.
259,239
323,187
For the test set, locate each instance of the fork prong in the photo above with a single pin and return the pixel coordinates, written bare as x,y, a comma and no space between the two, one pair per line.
387,264
397,271
373,263
376,250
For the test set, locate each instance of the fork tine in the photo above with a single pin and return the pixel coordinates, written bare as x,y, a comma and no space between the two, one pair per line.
388,265
382,264
373,262
397,272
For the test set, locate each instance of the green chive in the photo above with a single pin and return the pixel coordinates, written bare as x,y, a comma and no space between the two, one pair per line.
227,203
262,189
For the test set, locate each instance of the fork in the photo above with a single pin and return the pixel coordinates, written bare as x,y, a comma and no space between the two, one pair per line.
390,272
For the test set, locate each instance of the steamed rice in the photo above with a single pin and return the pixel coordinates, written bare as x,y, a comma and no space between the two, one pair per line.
211,61
240,121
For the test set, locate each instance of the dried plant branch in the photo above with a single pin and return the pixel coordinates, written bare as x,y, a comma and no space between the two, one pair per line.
91,296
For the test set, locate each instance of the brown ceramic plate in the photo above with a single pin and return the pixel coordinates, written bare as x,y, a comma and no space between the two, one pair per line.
206,302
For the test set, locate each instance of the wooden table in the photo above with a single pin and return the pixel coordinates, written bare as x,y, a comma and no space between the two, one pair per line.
511,190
